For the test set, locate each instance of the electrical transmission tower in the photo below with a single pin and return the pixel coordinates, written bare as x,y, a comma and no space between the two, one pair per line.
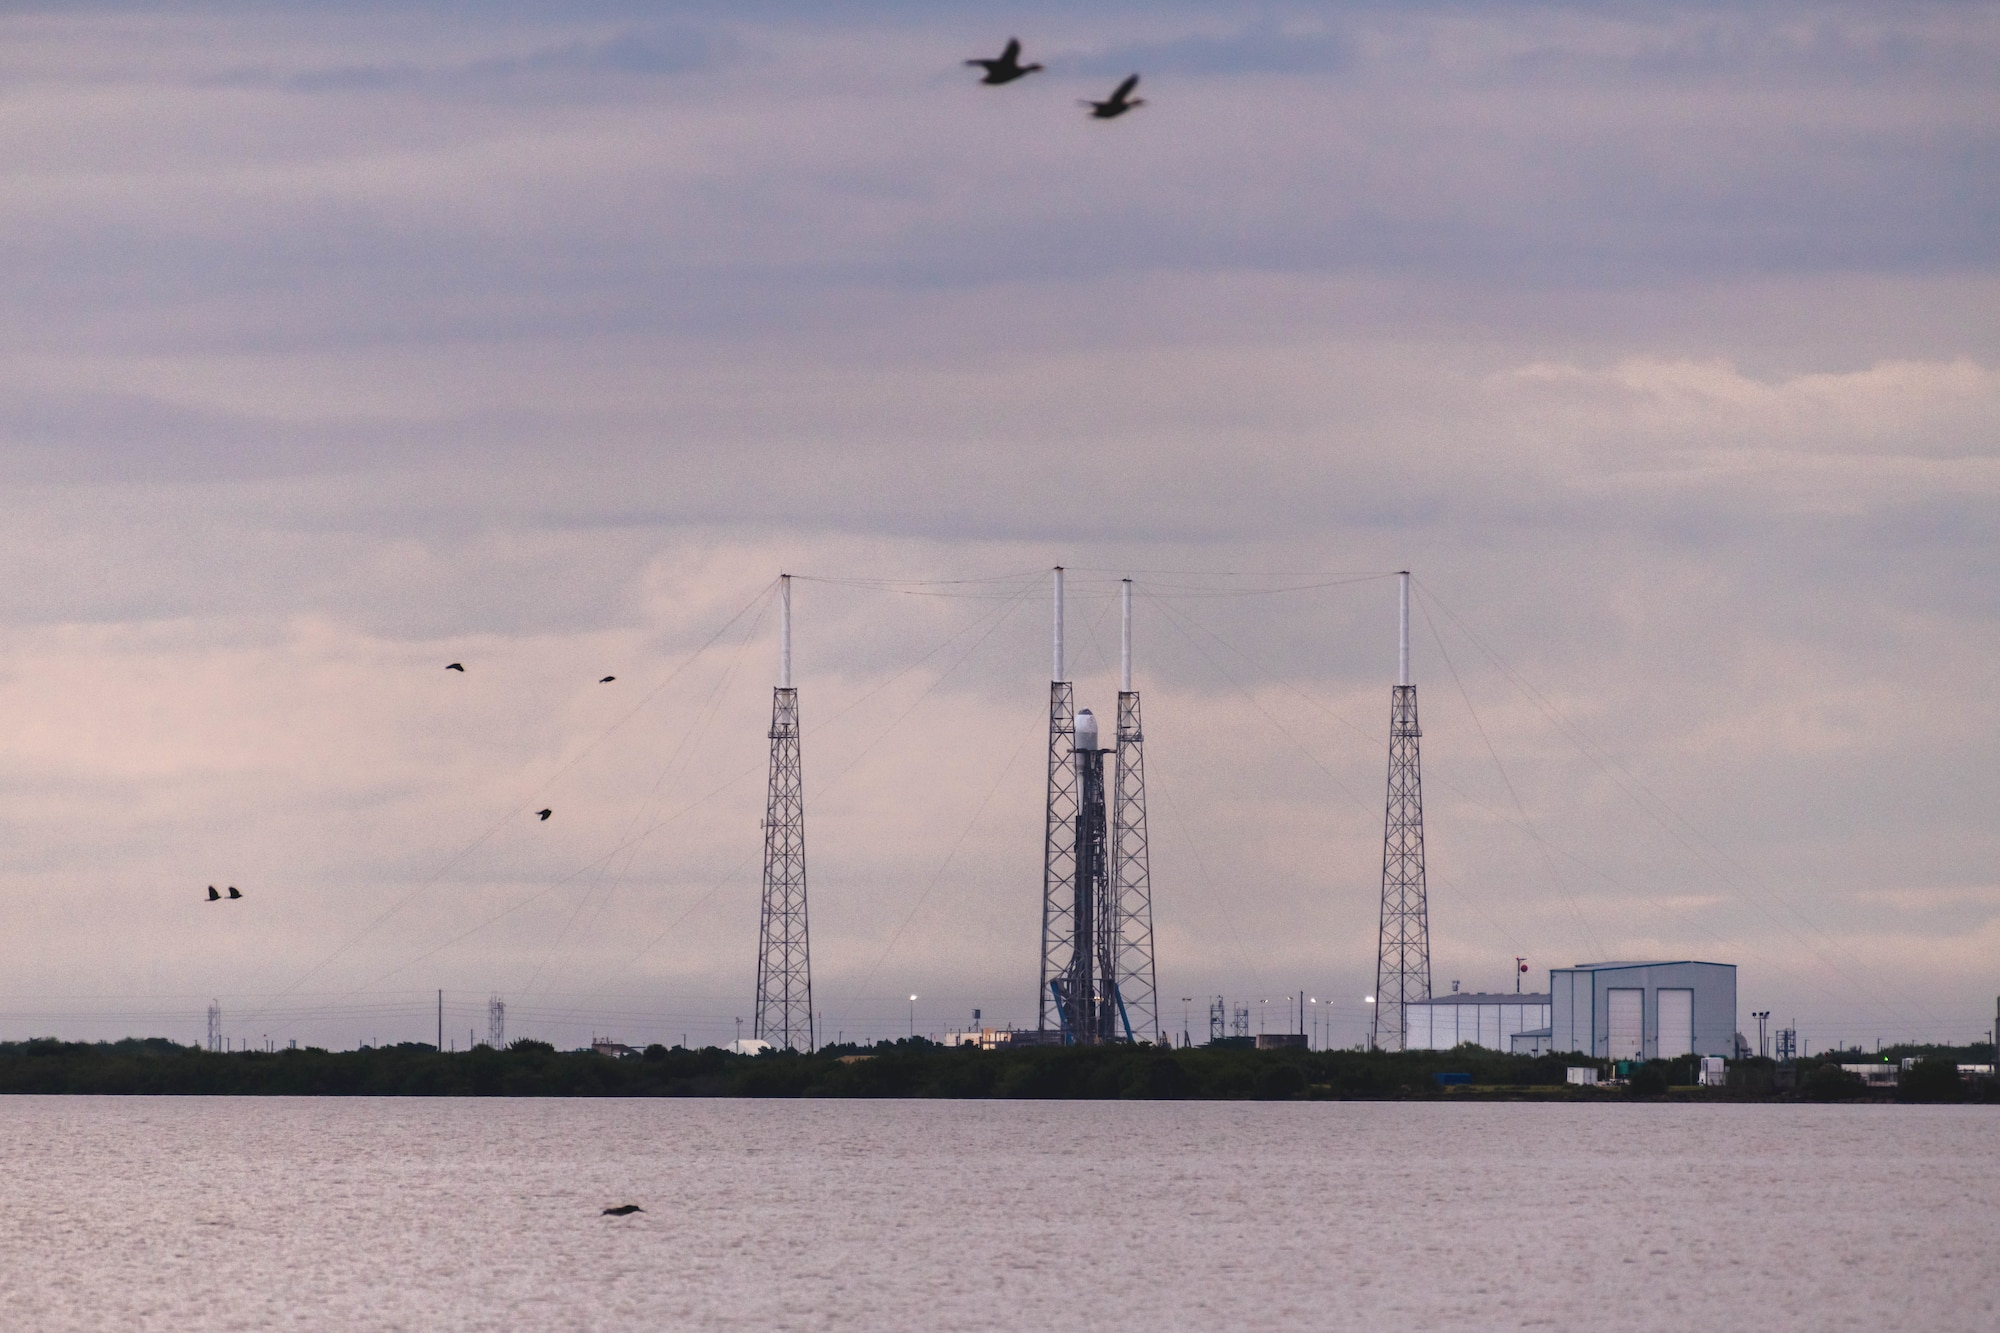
1403,957
1059,840
1130,919
215,1025
784,1013
496,1023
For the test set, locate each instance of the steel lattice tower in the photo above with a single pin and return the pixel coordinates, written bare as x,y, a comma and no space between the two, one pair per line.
784,1012
215,1025
1403,958
1131,916
1059,839
496,1023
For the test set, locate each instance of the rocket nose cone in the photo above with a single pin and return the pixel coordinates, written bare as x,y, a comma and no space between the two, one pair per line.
1086,729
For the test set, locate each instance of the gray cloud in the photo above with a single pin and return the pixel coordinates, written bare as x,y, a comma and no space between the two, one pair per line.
1659,341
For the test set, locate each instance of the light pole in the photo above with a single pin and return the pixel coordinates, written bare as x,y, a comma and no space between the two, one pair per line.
1186,1000
1314,1002
1370,999
913,1016
1760,1017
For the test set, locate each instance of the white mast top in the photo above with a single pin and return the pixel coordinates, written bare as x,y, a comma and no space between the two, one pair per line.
1403,628
784,631
1059,627
1125,640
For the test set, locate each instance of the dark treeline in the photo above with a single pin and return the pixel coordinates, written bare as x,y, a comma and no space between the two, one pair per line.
913,1068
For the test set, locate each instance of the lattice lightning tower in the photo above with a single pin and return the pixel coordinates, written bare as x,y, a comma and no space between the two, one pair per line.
1130,918
1059,839
1403,958
784,1012
496,1023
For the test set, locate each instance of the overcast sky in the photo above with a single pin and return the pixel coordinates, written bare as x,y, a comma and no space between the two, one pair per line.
339,342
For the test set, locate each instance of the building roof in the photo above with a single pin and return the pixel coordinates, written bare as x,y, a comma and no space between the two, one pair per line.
1647,962
1484,997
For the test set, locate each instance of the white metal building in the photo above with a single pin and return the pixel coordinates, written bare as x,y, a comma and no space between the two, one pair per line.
1644,1011
1445,1021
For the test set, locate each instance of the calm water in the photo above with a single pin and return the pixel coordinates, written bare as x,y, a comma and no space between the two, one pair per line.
423,1215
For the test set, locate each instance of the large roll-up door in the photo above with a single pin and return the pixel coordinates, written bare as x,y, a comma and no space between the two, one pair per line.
1627,1025
1676,1023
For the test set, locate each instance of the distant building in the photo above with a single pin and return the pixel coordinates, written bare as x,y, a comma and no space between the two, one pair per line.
1281,1041
986,1039
1471,1018
614,1049
1643,1010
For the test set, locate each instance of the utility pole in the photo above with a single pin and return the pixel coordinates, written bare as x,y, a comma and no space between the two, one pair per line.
1403,951
440,1045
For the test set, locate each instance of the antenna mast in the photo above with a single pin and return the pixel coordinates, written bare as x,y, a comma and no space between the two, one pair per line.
784,1012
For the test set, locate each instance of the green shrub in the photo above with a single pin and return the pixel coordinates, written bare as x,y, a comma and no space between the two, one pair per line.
1831,1083
1931,1079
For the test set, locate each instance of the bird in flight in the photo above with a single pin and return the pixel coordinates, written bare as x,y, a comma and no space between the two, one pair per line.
623,1210
607,680
543,814
1008,67
212,894
233,893
1120,101
456,666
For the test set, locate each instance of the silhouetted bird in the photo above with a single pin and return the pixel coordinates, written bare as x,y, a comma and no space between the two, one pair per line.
212,894
233,893
623,1210
543,814
1120,101
455,666
1008,67
607,680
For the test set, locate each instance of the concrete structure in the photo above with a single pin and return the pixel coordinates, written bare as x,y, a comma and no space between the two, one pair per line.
1645,1010
1489,1020
1281,1041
